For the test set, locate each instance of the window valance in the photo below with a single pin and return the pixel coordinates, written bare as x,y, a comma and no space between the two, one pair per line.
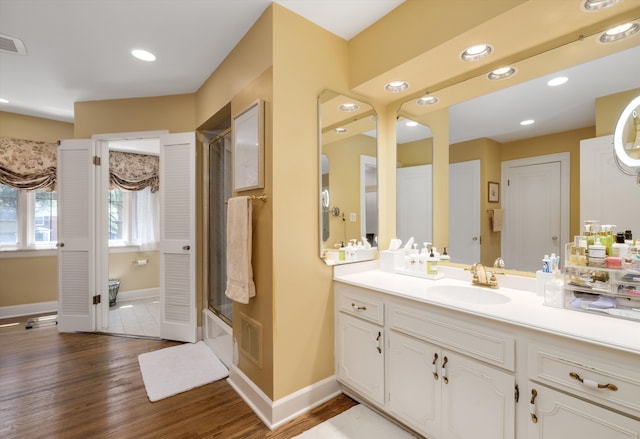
31,165
134,172
27,164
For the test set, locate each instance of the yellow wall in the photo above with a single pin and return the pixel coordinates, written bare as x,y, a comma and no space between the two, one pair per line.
19,285
175,113
608,109
132,276
344,185
419,152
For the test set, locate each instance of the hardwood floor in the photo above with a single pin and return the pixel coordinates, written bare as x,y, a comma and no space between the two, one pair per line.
89,386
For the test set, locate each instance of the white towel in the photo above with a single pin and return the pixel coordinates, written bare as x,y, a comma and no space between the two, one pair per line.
496,219
240,286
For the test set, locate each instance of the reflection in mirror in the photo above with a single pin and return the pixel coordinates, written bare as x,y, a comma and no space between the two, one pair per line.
349,183
527,159
626,139
414,177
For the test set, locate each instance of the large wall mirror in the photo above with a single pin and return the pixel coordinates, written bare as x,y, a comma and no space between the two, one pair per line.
348,187
414,180
535,165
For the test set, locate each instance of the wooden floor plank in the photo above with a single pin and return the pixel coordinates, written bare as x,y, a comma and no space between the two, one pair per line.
70,386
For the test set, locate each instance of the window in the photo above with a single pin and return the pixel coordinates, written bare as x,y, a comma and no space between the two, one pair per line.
133,218
28,219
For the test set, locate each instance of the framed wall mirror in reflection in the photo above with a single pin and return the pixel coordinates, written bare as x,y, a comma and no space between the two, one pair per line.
348,183
248,148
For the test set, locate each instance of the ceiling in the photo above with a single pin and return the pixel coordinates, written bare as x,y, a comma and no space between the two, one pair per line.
79,50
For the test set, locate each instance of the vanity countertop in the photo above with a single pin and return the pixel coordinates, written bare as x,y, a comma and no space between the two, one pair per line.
525,308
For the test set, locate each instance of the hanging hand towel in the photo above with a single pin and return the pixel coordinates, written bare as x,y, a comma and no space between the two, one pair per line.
496,219
240,286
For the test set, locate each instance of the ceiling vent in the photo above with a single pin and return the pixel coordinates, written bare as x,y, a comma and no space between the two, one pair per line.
12,45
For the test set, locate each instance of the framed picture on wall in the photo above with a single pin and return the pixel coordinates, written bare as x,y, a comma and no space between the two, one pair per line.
494,192
247,153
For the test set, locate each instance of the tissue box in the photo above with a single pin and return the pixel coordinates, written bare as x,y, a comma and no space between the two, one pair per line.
391,260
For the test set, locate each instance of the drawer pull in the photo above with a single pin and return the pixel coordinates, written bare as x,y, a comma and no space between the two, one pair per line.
593,384
378,340
358,307
435,366
532,406
444,371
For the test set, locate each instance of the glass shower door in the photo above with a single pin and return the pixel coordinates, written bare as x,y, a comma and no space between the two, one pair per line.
219,191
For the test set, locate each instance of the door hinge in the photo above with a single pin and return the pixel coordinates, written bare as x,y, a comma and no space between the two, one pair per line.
96,160
96,299
517,393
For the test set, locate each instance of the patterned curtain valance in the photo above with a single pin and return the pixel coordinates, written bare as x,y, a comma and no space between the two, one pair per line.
134,172
26,164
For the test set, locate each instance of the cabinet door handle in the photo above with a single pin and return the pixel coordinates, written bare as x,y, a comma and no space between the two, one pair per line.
592,384
444,370
435,366
532,406
186,247
358,307
378,340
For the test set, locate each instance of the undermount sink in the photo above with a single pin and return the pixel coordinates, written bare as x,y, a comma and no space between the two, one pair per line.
469,294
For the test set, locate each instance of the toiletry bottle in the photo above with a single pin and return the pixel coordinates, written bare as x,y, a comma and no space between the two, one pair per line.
432,264
582,257
620,248
342,252
444,257
546,264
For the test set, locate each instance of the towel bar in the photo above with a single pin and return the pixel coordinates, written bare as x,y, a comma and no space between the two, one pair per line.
252,197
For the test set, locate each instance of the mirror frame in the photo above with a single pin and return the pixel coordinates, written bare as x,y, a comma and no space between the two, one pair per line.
618,144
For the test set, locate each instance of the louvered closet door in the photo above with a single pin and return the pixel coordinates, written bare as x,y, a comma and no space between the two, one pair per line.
178,252
76,231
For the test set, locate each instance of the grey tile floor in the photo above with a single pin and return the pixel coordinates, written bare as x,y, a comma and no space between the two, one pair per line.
135,317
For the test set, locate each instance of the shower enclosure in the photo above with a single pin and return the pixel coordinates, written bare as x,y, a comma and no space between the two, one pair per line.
219,192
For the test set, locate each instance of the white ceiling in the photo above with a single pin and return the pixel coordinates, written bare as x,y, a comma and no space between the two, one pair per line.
79,50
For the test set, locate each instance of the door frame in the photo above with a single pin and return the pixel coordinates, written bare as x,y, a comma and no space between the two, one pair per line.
101,143
565,190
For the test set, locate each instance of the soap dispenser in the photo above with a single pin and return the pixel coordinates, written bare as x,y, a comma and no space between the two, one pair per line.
432,263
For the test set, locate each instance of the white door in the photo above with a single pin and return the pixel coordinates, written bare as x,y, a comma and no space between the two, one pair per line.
76,236
606,194
414,383
464,212
477,400
177,237
360,357
532,214
414,217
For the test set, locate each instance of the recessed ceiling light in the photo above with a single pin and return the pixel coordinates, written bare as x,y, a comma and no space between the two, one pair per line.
596,5
340,130
143,55
396,86
4,101
501,73
411,123
349,107
620,32
427,100
558,80
476,53
527,122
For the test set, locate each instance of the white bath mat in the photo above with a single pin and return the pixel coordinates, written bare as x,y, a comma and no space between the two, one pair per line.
180,368
358,422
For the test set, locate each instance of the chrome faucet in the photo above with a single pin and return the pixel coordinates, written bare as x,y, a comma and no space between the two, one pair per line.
482,277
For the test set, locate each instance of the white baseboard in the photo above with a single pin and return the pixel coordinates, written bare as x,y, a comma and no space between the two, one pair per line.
7,312
275,414
138,294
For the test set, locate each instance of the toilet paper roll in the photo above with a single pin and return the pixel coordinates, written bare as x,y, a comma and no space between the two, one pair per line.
141,261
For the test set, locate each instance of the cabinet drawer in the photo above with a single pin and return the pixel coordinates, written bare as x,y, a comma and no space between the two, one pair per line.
480,342
360,302
587,376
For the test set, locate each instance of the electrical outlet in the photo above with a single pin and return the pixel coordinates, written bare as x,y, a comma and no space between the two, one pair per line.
352,217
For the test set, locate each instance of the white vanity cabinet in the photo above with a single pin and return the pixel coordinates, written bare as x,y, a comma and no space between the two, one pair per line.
360,344
440,376
582,392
